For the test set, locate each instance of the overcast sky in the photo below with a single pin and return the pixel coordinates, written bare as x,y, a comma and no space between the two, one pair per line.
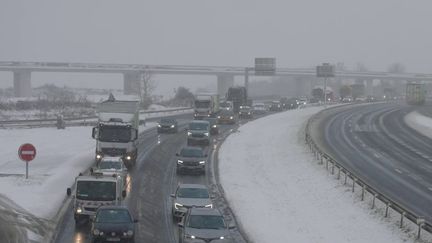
299,33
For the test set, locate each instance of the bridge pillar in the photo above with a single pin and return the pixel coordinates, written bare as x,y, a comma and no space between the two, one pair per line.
369,87
22,83
224,82
131,83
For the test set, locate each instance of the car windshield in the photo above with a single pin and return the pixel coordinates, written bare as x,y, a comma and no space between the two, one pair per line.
120,134
226,113
110,165
191,152
192,193
198,126
166,120
113,216
96,190
206,222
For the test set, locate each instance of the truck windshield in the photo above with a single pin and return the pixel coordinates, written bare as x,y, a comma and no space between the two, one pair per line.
121,134
202,104
198,126
96,190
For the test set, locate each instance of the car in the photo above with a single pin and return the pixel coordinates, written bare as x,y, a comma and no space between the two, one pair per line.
214,128
347,99
226,117
226,105
275,106
188,196
167,125
198,132
245,112
303,101
191,159
113,224
109,166
204,225
259,109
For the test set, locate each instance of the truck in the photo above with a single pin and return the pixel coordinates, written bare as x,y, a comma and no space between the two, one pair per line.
206,105
415,93
238,96
94,191
116,132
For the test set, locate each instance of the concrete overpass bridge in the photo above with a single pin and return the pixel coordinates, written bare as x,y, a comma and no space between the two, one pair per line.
132,72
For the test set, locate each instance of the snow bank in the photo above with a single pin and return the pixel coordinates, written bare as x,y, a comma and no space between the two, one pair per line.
420,123
280,194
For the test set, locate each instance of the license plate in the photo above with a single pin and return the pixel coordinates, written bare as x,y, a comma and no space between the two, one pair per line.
113,239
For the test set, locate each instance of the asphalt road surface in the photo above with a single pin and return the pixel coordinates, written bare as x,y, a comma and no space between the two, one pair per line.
374,142
152,181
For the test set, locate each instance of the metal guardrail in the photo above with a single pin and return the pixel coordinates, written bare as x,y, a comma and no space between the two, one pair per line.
79,121
332,165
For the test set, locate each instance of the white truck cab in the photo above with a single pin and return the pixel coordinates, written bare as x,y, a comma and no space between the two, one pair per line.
91,192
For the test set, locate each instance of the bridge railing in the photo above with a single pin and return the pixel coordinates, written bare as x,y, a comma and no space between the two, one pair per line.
354,180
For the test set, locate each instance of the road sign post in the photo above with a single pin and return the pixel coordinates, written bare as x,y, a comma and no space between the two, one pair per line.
27,152
325,71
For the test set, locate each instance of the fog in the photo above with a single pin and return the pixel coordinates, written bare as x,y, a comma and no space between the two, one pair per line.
299,33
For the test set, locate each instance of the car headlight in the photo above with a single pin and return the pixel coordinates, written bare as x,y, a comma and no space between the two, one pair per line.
159,125
214,126
206,134
128,157
222,237
208,115
179,161
96,232
231,117
209,206
178,205
202,162
219,117
190,236
172,126
98,156
189,133
249,113
128,233
79,210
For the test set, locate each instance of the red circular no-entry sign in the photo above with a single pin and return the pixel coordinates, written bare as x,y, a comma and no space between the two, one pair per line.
27,152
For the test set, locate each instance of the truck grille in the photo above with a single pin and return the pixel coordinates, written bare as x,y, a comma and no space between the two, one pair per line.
197,135
190,163
114,151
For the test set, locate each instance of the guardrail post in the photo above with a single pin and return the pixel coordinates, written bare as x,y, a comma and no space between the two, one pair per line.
333,165
321,161
420,222
363,192
402,218
373,200
339,171
387,209
346,175
354,182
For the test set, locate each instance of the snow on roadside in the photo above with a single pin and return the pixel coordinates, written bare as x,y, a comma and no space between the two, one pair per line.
278,194
420,123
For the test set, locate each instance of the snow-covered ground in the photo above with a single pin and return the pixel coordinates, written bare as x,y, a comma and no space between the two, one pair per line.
420,123
280,194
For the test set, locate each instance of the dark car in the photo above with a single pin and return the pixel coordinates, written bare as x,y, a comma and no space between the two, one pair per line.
191,159
245,112
214,128
113,224
226,117
167,125
275,106
204,225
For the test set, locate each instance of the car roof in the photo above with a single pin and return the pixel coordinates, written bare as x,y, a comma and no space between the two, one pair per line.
200,121
192,148
114,159
205,211
192,186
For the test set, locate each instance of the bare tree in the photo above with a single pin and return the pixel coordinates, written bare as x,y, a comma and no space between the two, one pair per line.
146,85
396,68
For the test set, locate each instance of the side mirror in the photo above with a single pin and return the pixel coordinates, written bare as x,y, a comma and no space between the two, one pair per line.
94,131
136,221
68,191
92,218
231,225
172,195
124,194
180,224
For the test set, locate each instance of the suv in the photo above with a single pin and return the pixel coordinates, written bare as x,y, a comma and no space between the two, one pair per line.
113,223
167,125
188,196
226,116
198,132
191,159
245,112
204,225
